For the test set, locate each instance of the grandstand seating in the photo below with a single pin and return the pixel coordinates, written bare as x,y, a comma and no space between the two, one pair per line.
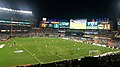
3,37
8,27
117,35
15,16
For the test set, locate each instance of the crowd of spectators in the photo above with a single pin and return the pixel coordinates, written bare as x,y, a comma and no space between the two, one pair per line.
109,60
8,27
103,38
28,33
3,37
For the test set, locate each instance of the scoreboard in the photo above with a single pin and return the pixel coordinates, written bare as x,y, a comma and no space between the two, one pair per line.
77,23
55,23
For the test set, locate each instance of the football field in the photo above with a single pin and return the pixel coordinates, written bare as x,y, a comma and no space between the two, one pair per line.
20,51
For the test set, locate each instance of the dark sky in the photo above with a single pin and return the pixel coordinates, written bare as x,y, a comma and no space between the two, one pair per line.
67,8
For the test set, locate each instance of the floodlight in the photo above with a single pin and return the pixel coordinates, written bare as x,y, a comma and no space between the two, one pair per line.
20,11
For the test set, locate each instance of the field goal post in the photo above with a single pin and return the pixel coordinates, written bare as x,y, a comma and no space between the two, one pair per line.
94,52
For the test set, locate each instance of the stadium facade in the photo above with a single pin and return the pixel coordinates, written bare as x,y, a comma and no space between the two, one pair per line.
13,21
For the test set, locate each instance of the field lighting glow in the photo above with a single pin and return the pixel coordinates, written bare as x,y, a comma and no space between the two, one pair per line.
19,11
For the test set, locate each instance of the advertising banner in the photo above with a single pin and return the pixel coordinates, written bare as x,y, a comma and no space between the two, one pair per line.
49,25
56,25
100,26
43,25
54,22
107,26
91,33
92,25
78,24
64,24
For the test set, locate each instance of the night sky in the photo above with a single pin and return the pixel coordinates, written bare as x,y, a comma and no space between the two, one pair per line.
67,8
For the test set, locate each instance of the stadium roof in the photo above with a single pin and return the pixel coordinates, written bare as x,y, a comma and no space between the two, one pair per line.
19,11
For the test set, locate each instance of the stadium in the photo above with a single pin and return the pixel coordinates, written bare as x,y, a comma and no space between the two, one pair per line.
57,42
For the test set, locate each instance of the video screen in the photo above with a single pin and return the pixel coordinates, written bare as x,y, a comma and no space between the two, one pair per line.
78,24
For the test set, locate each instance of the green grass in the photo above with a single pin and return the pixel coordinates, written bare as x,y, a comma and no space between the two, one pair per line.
46,50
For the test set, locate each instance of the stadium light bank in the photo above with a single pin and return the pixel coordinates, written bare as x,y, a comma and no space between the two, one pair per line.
19,11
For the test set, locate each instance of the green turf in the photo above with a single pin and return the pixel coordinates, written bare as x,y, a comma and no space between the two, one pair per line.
44,50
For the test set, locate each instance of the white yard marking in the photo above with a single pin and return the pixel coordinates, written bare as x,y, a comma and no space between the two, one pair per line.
30,53
2,45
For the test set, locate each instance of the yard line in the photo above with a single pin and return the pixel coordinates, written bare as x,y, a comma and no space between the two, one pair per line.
30,53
